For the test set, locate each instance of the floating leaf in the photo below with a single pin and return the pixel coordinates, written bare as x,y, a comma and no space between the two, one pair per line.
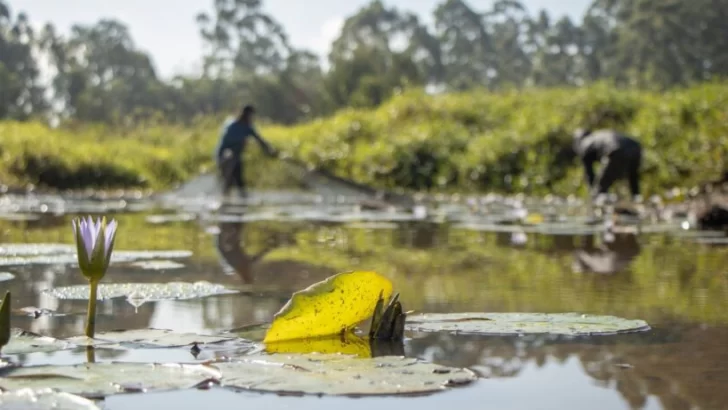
329,307
349,345
35,249
158,265
144,291
44,399
105,379
55,255
130,256
22,342
341,375
141,338
160,219
571,324
6,276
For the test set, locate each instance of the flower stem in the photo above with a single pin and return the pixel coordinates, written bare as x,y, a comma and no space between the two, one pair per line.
90,354
91,313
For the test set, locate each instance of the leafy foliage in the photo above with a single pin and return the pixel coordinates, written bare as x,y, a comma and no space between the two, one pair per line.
469,141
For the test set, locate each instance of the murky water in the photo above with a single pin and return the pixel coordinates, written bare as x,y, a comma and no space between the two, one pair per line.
457,258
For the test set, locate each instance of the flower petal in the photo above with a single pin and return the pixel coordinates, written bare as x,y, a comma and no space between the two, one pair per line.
110,233
87,235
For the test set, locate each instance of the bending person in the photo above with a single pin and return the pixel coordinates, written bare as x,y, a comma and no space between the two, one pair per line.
620,155
230,149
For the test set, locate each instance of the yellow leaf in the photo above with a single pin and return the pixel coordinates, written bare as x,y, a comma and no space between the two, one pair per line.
349,345
328,307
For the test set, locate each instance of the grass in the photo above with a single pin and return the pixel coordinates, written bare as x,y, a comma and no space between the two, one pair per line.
476,141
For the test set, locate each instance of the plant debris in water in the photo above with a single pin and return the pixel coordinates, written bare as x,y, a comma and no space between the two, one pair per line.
143,291
569,324
388,324
338,375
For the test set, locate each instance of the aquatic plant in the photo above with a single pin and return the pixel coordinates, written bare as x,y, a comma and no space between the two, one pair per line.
94,244
5,321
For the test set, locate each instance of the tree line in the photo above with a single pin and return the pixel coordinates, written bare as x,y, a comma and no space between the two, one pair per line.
97,73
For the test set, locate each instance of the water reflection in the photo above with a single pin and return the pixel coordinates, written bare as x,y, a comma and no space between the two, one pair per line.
234,259
610,257
679,288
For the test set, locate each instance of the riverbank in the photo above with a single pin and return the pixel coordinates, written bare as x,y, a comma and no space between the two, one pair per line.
475,141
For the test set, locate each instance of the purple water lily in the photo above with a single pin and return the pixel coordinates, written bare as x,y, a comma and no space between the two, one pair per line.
94,244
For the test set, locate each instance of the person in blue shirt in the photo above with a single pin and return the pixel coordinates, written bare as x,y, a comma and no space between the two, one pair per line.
230,149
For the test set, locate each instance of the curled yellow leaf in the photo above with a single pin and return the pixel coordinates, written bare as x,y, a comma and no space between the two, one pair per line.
329,307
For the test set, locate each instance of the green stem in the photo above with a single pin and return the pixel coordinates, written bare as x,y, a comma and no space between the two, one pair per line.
90,354
91,313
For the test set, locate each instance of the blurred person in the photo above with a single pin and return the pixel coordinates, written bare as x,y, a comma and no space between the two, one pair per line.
231,147
620,155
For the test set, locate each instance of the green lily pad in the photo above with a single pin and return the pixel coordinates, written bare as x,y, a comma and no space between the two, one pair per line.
22,342
334,374
105,379
6,276
158,265
35,249
143,291
131,256
571,324
49,256
19,217
44,399
145,338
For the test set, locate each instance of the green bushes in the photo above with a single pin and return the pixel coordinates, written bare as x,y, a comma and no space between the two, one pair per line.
475,141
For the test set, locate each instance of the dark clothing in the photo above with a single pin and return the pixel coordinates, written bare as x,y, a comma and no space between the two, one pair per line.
234,137
229,152
620,155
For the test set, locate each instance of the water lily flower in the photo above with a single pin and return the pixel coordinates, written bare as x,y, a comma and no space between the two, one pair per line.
94,244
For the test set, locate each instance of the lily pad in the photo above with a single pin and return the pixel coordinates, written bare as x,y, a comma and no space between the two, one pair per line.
143,291
105,379
6,276
335,374
35,249
44,399
44,256
571,324
145,338
158,265
130,256
328,307
22,342
160,219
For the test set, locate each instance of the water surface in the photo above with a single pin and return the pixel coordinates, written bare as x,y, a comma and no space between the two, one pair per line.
458,258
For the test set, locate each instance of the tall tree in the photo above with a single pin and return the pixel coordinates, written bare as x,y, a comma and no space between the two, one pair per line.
21,95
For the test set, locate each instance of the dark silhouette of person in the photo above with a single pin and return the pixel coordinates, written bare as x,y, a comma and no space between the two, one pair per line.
620,155
230,149
234,259
612,257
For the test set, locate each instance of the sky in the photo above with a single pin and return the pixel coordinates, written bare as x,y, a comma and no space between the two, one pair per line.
167,30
